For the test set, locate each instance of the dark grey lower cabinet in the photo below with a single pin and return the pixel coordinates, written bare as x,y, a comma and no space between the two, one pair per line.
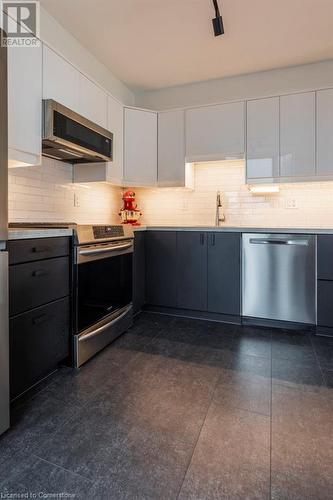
224,269
39,340
325,257
139,271
325,303
192,270
40,309
161,268
325,281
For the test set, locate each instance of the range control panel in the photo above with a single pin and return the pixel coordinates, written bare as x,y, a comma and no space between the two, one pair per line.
101,232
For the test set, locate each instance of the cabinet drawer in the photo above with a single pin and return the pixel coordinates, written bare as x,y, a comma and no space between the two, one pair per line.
325,257
43,248
37,283
325,303
39,340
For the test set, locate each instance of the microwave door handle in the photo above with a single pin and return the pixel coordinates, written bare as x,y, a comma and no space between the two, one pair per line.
113,248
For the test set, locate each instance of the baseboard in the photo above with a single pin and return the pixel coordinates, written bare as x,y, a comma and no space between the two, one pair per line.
273,323
324,331
188,313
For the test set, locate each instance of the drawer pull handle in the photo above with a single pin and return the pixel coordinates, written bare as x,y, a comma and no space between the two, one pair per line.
40,249
39,273
39,319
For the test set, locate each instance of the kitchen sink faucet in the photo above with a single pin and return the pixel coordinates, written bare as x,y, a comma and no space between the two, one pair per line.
219,217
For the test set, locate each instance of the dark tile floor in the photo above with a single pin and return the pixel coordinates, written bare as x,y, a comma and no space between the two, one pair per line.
179,408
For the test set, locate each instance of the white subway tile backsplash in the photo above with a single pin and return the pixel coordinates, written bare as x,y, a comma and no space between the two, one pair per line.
169,206
46,193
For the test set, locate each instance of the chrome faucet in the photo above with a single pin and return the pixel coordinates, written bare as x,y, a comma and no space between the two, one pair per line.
219,216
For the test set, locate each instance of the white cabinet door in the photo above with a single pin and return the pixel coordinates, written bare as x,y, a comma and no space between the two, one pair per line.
262,149
140,147
61,81
116,126
215,132
171,148
93,102
324,132
24,105
297,135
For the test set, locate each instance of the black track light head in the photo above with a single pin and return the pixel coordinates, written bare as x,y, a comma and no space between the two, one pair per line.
218,26
217,21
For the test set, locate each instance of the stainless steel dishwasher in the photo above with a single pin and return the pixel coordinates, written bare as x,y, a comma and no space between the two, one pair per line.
279,281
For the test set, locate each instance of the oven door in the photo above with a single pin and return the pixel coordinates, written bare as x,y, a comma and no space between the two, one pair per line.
104,281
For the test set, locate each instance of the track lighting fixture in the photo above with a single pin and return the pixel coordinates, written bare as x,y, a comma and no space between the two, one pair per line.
217,21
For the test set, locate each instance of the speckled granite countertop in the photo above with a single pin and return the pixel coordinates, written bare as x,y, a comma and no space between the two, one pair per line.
23,234
26,234
236,229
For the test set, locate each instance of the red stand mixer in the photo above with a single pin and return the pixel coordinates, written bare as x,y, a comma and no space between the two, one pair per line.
130,213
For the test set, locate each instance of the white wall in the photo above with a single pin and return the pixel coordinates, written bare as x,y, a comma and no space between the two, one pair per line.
262,84
63,42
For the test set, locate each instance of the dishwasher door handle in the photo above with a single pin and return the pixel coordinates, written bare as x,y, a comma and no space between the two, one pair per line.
273,241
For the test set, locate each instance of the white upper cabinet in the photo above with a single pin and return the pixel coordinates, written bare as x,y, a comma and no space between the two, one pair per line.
116,126
171,148
324,132
61,81
262,148
24,105
215,132
93,102
140,147
297,135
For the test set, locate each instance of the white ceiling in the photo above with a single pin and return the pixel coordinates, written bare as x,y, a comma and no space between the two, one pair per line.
152,44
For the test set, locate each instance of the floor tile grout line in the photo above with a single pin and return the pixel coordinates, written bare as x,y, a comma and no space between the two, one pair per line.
246,410
63,468
318,362
82,407
199,434
271,425
96,391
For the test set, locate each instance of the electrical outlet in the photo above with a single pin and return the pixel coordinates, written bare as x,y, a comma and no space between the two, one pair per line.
185,205
291,203
76,200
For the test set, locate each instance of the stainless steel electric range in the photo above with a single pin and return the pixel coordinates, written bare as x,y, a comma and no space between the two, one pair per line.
103,269
102,283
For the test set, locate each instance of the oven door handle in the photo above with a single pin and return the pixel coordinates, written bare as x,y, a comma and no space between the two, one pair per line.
113,248
101,329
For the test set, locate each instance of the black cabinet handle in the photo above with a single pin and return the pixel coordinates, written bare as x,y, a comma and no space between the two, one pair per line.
40,249
38,273
212,239
202,239
39,319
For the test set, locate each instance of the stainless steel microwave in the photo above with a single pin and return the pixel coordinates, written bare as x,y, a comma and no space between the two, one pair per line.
69,137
